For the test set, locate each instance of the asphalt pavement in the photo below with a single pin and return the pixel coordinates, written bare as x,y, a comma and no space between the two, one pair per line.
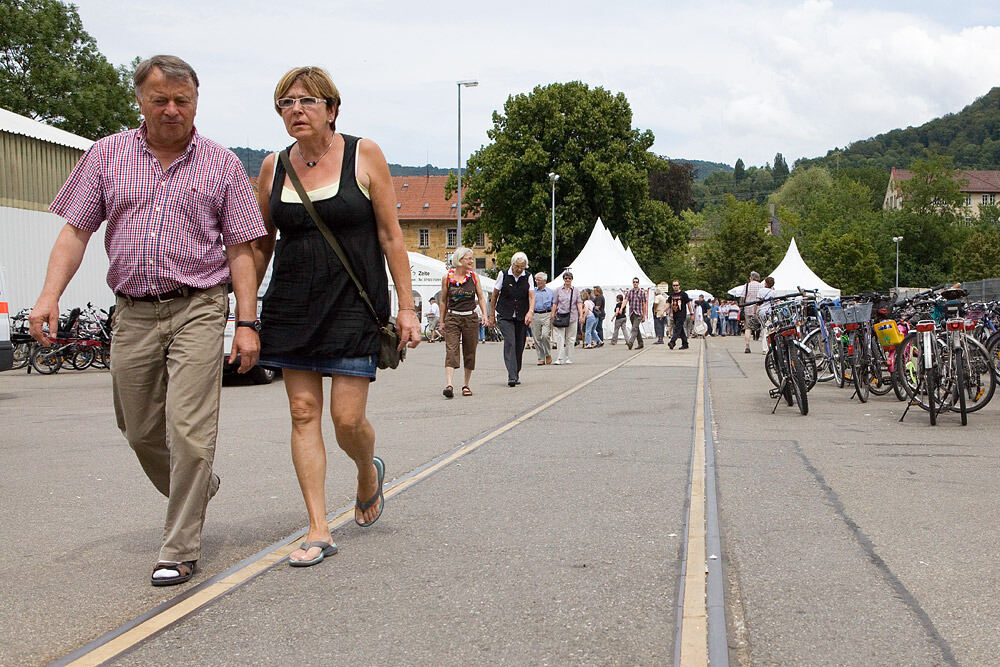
848,538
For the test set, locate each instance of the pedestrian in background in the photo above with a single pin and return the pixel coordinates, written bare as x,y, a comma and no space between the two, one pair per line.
750,323
512,305
181,216
433,319
659,315
621,319
733,318
637,302
461,299
713,317
541,323
682,311
590,321
567,310
600,313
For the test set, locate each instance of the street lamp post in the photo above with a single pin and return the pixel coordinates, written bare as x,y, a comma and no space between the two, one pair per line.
553,177
896,240
469,83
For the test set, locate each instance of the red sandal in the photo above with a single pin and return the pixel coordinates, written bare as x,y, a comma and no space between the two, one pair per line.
466,391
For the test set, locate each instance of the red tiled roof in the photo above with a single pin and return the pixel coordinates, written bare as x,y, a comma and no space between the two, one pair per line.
978,180
422,198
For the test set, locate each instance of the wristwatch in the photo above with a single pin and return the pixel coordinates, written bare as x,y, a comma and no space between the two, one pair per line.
250,324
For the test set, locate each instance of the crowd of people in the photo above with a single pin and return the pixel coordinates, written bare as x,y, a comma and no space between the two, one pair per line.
184,227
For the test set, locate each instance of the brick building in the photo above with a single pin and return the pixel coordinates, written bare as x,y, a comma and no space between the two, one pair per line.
429,221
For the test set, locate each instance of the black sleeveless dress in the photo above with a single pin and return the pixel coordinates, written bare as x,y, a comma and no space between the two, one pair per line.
312,315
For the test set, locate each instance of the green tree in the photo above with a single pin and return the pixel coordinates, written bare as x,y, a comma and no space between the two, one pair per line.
586,136
780,170
739,171
979,256
52,71
672,183
848,261
935,188
740,244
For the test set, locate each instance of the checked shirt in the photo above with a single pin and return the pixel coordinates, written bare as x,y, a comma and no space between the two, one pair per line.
165,228
636,298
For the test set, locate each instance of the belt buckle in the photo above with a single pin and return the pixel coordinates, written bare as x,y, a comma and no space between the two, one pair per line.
177,292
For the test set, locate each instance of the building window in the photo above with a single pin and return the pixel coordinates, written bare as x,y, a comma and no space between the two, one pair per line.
452,237
993,198
481,240
424,238
480,263
968,200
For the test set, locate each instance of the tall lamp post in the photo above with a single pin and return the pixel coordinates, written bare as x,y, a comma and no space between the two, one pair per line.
553,177
896,240
469,83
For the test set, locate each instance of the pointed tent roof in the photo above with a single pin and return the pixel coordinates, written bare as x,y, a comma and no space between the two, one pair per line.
605,262
793,273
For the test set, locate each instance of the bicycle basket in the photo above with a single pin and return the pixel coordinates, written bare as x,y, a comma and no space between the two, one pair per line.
838,316
858,313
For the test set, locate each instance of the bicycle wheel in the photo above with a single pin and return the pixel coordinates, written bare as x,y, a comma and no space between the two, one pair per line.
860,371
993,351
809,368
978,381
929,384
958,368
46,360
878,379
103,357
82,357
786,380
21,353
798,380
837,363
824,365
771,367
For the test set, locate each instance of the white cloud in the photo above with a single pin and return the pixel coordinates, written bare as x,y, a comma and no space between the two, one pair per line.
713,80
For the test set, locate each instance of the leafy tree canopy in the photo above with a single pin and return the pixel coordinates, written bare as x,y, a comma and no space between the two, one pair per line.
934,189
674,185
52,71
741,244
584,135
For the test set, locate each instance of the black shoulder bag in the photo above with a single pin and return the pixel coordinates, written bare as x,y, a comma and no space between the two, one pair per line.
389,354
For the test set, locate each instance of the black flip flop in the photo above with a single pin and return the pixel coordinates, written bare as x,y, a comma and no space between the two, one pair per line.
328,549
380,466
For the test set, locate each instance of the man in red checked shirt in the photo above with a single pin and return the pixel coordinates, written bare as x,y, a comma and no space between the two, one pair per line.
181,215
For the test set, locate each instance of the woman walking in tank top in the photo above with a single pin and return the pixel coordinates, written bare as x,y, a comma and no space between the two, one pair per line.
461,295
314,322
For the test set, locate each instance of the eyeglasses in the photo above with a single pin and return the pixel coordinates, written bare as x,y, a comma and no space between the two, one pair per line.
289,102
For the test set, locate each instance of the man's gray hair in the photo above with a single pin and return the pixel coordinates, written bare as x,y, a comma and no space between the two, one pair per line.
460,252
171,66
518,256
541,275
754,275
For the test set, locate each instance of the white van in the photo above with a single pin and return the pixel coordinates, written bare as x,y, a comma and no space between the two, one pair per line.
6,348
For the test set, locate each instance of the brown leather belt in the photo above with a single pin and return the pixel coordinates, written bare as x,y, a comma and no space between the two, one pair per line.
182,291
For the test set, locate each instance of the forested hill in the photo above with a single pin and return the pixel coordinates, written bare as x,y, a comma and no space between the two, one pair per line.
971,136
253,157
703,169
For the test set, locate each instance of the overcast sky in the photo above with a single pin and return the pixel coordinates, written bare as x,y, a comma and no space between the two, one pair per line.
712,80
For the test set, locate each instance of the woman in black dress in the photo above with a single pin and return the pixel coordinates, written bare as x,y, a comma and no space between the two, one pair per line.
314,323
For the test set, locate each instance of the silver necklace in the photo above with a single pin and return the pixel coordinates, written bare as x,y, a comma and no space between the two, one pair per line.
316,161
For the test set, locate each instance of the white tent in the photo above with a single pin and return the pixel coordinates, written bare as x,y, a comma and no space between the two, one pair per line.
793,273
426,273
605,262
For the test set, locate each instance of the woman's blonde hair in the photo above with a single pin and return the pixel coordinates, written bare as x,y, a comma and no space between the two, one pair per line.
459,254
317,83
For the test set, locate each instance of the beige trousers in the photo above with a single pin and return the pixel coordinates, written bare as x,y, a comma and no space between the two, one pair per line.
166,370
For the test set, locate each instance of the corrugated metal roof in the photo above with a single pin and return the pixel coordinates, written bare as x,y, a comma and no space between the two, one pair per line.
17,124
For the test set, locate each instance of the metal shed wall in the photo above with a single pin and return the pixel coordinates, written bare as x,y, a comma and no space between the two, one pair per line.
32,171
26,238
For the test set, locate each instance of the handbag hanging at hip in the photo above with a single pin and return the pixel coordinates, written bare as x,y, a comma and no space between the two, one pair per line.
389,354
562,320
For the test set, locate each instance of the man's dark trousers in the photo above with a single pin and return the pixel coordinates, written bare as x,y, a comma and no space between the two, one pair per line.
679,332
514,333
